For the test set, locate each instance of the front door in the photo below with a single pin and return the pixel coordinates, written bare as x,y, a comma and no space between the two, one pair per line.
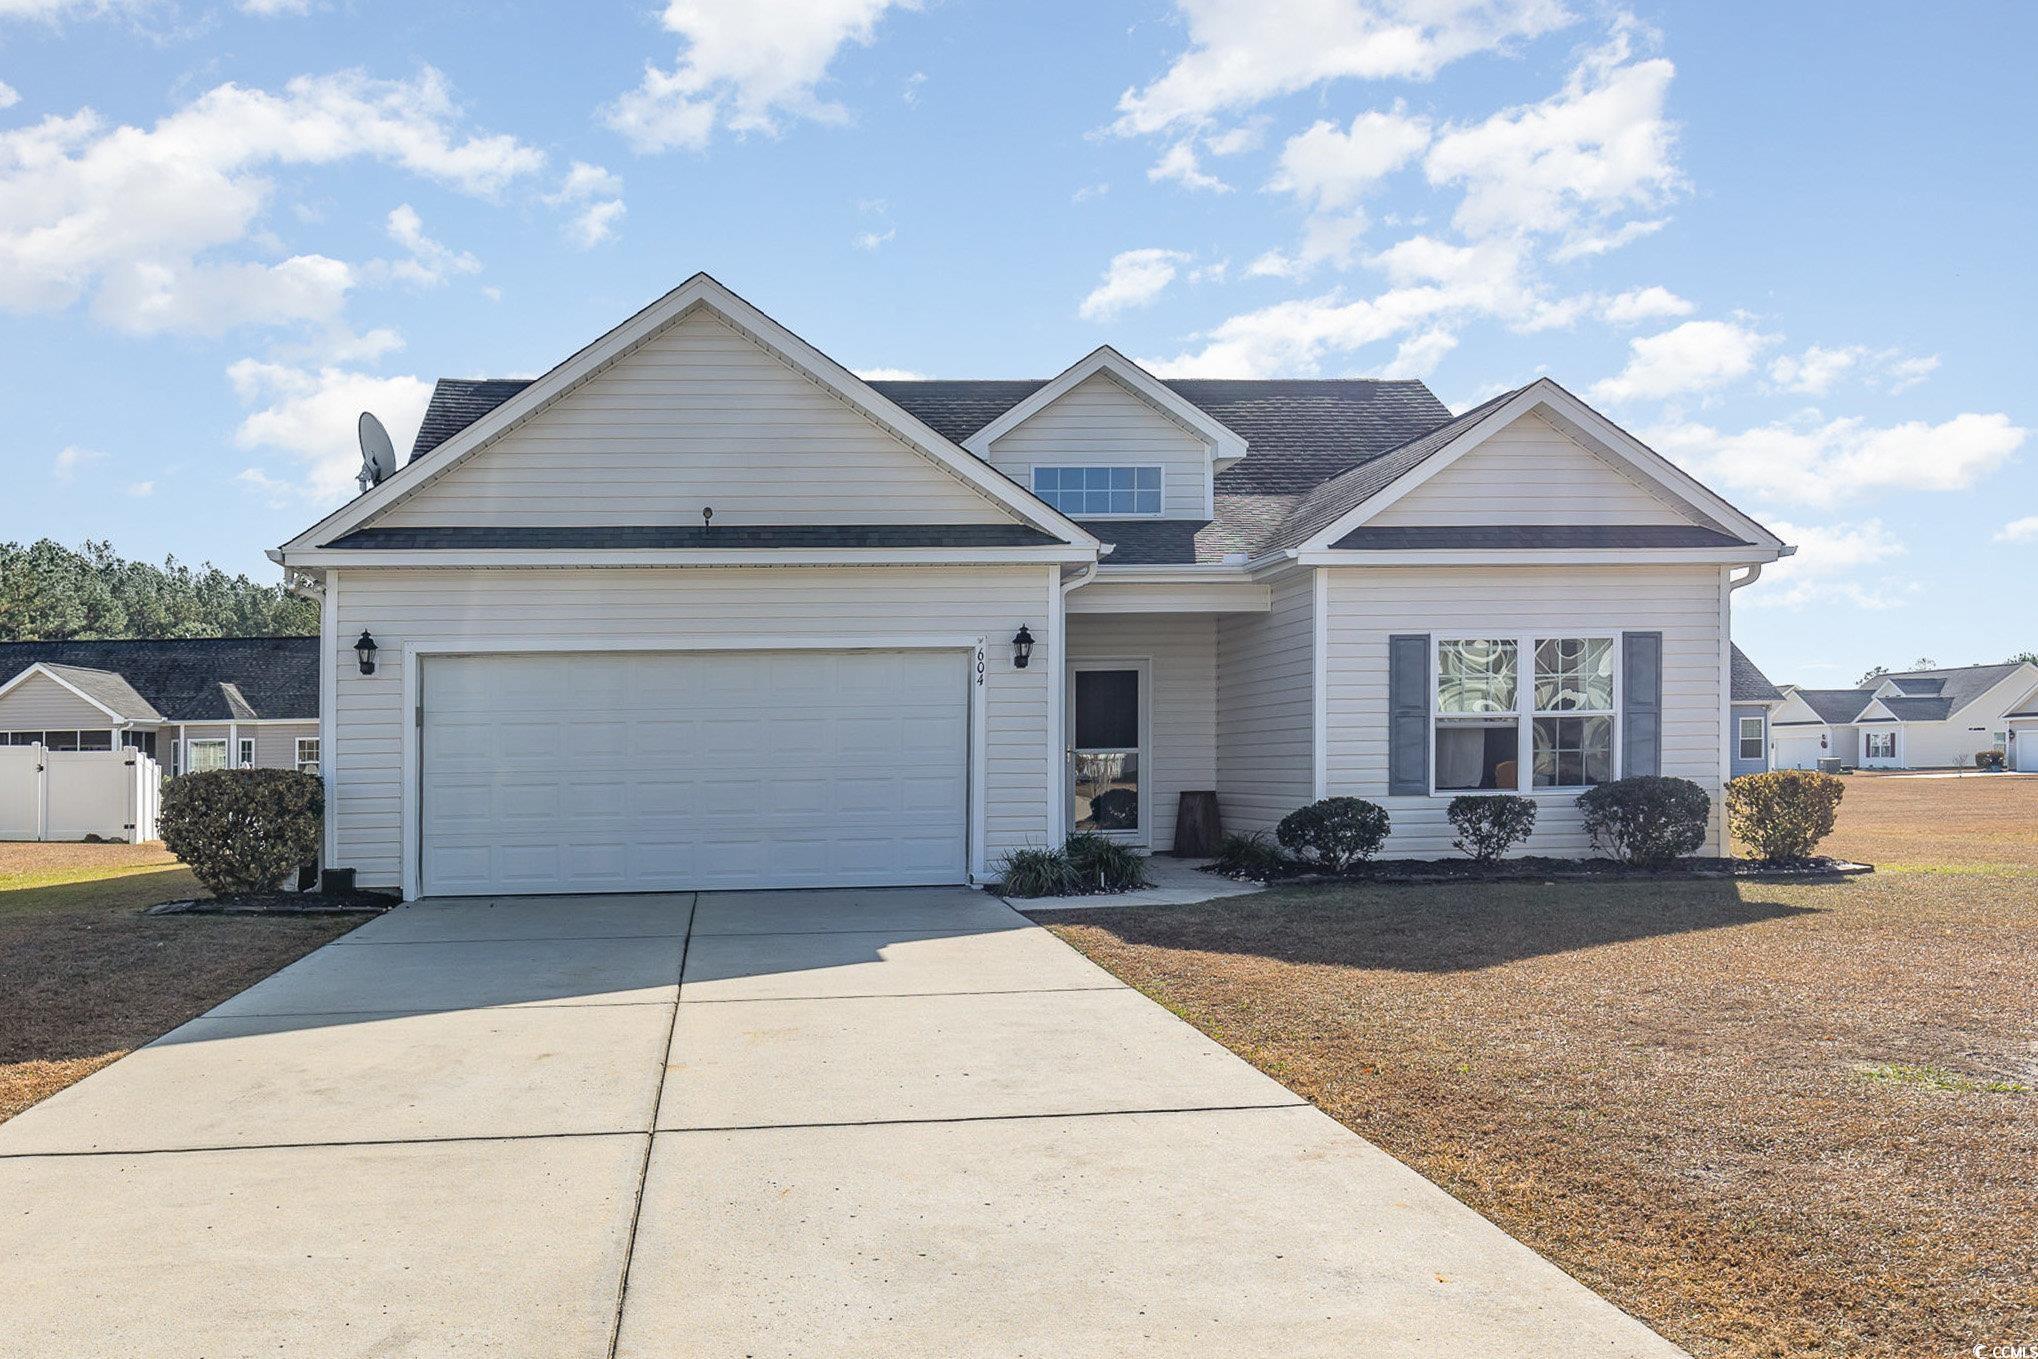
1107,703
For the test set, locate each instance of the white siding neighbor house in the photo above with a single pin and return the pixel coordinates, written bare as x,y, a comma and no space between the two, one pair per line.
700,608
1915,719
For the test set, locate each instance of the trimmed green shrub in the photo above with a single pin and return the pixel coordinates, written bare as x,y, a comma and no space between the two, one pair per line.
243,830
1253,855
1336,832
1036,873
1490,824
1648,820
1102,865
1988,759
1783,814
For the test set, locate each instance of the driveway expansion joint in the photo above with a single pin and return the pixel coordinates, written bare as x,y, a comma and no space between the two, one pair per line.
933,1120
904,995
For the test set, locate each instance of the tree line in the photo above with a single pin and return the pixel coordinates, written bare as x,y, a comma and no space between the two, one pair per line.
49,592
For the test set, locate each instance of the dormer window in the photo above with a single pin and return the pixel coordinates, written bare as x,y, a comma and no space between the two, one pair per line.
1092,492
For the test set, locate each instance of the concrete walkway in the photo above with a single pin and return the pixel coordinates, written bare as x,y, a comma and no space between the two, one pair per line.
844,1123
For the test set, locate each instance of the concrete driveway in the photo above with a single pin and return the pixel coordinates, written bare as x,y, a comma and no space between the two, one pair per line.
844,1123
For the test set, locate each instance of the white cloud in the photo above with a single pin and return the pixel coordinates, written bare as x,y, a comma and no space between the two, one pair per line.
1179,163
1832,565
1244,51
1134,278
1822,463
596,223
745,67
2023,530
9,96
1692,357
1644,304
1571,163
429,263
1418,356
49,11
1814,372
135,217
597,194
1583,244
270,9
1332,167
1236,141
873,240
1089,191
1432,281
1906,373
1327,238
309,414
72,460
140,489
889,375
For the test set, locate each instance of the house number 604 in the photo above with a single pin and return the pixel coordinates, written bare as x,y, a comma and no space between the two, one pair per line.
980,667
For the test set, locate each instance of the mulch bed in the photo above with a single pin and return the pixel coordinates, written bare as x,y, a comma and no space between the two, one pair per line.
280,903
1558,870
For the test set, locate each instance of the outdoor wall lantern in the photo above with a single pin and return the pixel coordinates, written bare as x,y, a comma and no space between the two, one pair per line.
365,650
1022,647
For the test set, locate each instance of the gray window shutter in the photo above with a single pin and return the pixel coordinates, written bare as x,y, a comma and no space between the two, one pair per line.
1641,703
1408,715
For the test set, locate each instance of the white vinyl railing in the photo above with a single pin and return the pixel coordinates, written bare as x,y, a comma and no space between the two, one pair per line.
73,794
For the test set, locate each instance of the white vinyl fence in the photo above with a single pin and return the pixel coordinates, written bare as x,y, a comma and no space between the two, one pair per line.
70,794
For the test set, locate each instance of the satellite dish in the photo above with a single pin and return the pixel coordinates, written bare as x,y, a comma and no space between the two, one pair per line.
378,454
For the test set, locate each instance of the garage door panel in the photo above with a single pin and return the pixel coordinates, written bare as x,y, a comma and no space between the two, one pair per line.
640,771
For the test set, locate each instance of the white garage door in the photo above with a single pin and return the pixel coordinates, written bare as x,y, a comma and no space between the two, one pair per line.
601,772
1796,752
2026,749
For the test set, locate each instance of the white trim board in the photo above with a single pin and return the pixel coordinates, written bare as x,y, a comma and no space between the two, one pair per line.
698,291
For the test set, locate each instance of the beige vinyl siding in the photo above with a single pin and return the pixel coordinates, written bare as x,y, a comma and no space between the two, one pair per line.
1181,652
1266,728
1368,605
276,743
1101,422
498,610
699,415
39,703
1532,473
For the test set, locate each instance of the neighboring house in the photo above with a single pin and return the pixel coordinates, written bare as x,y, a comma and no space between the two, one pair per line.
1916,719
1754,699
701,608
191,703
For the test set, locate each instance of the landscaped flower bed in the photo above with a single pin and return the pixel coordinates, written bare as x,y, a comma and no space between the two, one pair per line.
1539,869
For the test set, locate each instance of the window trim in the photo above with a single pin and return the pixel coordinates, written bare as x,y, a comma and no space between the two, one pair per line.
1035,469
244,752
190,745
1525,714
1867,741
1741,737
301,762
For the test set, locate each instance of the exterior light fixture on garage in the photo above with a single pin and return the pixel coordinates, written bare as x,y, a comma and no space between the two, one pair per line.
1022,647
365,651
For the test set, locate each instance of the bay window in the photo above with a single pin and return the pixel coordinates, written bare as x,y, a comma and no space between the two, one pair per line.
1497,729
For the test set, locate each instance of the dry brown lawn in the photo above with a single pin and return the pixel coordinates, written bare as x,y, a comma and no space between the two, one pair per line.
1768,1119
85,977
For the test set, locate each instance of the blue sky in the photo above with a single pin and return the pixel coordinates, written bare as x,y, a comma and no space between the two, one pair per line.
1787,244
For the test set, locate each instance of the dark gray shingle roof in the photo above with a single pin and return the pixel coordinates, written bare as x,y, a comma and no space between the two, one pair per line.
1748,683
181,678
1959,685
1396,537
1923,709
457,403
1836,706
600,536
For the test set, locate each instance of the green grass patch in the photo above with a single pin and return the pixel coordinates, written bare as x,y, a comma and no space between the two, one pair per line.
1939,1078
